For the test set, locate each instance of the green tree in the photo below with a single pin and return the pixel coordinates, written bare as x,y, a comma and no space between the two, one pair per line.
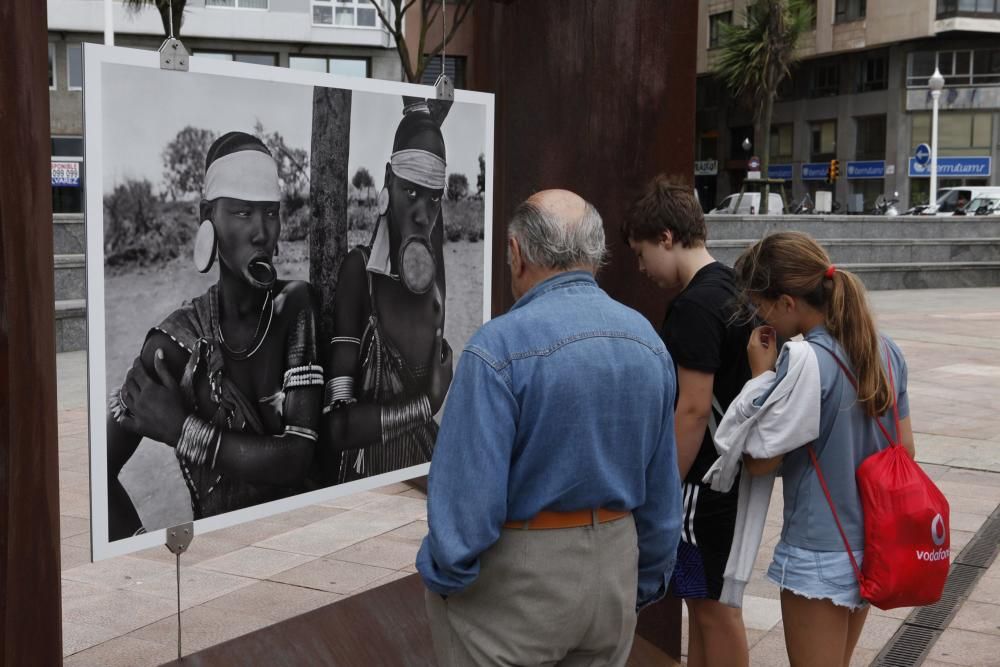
756,55
393,16
184,162
363,181
165,8
458,186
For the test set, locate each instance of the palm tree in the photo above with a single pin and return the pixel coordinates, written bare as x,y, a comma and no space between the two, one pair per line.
168,9
755,57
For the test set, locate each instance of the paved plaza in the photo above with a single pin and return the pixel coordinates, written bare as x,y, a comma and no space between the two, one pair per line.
122,611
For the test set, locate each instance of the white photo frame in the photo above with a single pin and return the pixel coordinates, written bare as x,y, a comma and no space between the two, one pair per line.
101,65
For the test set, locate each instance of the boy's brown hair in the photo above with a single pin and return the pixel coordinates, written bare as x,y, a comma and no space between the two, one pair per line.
667,204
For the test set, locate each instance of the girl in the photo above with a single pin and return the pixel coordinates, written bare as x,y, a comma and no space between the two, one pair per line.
796,290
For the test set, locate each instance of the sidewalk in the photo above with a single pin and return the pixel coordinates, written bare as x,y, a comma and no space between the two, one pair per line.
121,611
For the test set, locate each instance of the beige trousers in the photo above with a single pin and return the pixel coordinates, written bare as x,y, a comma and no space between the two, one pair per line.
544,597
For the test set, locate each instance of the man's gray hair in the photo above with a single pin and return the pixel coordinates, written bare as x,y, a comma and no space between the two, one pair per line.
550,243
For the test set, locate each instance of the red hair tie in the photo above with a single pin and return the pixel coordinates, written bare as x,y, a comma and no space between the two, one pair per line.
830,271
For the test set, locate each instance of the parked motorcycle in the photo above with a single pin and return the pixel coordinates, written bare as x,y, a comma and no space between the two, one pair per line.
887,205
803,207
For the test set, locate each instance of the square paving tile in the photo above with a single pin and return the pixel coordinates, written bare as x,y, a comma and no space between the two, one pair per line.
120,572
334,576
383,551
254,562
333,534
117,610
961,647
761,613
80,636
274,601
202,627
197,586
123,652
979,617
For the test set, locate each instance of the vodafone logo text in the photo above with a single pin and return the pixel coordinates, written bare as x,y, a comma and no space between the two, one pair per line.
934,556
938,533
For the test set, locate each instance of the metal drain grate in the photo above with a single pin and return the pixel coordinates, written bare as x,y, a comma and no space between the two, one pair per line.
961,579
909,646
982,548
914,639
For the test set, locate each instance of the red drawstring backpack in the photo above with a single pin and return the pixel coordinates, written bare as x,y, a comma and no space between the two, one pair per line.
907,535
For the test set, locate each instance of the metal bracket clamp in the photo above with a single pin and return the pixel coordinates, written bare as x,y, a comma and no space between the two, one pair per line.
173,55
445,88
179,537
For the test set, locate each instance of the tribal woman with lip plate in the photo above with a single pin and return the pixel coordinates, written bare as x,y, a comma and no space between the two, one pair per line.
389,364
231,380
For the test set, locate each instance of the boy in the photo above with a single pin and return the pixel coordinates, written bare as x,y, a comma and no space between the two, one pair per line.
666,230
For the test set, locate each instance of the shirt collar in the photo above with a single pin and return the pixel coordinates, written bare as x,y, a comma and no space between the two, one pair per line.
555,282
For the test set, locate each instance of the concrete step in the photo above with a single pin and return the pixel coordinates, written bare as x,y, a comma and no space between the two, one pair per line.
927,275
68,234
855,226
880,251
71,325
70,277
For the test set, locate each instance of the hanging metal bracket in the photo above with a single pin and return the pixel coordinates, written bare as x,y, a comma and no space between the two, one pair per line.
445,88
173,55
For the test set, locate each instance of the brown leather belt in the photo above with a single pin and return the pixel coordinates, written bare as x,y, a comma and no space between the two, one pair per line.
546,520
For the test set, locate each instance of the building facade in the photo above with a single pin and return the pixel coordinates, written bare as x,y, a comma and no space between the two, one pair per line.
860,95
335,36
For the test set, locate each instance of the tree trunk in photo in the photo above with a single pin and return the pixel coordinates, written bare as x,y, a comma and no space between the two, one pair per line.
328,244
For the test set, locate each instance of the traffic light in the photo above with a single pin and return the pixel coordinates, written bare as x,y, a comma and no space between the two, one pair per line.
833,171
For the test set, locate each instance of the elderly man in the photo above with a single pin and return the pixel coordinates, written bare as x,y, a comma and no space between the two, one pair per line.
555,505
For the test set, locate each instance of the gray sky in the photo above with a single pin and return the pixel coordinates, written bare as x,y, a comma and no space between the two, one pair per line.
140,119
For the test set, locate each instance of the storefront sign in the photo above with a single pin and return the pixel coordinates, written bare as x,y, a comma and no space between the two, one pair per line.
866,169
65,174
706,167
780,171
815,171
955,167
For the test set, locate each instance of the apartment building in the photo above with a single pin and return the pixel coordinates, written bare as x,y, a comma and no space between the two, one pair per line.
860,95
336,36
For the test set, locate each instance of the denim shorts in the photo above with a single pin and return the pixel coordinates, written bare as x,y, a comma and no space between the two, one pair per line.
817,575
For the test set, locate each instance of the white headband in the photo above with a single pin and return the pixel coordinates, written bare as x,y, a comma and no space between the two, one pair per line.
249,175
420,167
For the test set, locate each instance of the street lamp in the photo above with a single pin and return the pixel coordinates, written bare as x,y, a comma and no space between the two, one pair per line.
747,145
936,83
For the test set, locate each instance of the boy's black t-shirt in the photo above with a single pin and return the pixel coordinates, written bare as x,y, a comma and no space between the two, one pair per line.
702,334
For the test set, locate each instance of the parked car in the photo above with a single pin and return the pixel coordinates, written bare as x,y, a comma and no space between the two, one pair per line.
983,205
749,204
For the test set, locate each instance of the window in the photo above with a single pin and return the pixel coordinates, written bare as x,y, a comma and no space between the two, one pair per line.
968,132
68,198
959,68
781,142
252,58
74,66
52,66
826,79
454,68
708,146
950,8
870,138
345,66
823,140
849,10
238,4
871,74
714,29
344,13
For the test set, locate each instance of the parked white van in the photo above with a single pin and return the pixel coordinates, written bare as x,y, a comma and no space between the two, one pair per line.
953,199
749,205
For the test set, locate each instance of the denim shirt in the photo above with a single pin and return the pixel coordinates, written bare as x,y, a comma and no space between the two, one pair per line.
565,403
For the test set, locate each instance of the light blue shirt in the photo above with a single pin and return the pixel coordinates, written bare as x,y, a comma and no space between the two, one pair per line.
847,436
565,403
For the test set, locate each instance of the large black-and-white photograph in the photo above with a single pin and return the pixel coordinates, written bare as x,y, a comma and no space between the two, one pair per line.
283,268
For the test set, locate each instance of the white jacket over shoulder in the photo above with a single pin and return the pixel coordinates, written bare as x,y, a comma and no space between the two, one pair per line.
774,414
